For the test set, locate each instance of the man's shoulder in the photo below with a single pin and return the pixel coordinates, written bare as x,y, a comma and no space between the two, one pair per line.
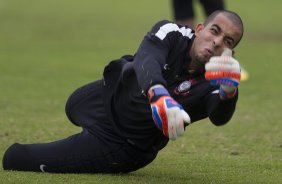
165,27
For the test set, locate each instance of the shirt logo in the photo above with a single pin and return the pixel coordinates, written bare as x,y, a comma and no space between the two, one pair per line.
184,87
42,166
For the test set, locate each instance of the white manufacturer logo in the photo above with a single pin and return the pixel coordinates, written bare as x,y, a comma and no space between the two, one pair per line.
42,166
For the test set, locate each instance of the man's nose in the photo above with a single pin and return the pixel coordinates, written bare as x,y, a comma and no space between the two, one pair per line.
217,41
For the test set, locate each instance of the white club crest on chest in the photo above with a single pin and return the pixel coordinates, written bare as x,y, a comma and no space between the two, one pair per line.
184,87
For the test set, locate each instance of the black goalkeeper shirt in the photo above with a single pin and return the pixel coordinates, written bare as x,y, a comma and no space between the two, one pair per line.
162,58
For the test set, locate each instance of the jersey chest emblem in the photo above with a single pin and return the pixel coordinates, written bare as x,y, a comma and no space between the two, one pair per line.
184,87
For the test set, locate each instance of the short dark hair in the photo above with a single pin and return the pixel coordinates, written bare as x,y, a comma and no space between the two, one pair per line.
234,17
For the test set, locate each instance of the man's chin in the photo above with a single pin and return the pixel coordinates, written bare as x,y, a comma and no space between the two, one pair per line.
206,58
201,61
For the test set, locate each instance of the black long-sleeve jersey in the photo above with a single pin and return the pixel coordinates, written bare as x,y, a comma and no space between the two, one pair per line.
162,58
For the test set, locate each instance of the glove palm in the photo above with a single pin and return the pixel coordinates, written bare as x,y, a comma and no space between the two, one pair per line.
168,115
224,71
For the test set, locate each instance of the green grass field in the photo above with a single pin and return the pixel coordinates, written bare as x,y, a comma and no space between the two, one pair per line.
48,48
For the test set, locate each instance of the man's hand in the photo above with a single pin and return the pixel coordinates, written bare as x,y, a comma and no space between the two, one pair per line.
225,71
168,115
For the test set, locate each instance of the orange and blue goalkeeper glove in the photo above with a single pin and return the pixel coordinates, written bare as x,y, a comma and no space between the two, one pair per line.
224,71
168,115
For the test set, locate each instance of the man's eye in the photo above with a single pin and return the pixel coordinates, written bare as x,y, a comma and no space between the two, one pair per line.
214,31
228,42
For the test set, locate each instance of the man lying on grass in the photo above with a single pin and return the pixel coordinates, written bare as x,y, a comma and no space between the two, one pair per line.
177,76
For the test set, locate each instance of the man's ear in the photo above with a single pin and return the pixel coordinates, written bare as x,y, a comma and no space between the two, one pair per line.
199,28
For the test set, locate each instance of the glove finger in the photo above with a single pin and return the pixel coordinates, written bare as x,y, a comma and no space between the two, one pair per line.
181,119
171,114
179,123
223,59
222,66
186,117
227,52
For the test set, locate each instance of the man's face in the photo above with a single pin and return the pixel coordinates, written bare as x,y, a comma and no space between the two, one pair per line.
213,38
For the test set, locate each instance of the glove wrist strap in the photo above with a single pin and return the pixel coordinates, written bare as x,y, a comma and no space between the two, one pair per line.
157,91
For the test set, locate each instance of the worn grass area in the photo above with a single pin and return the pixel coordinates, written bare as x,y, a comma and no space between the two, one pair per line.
49,48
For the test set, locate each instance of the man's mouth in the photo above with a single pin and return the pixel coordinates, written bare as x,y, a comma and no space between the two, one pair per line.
209,52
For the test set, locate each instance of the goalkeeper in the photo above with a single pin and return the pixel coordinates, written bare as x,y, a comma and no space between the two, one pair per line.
178,76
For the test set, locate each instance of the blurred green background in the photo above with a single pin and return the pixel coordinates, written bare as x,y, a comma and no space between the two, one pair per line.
49,48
